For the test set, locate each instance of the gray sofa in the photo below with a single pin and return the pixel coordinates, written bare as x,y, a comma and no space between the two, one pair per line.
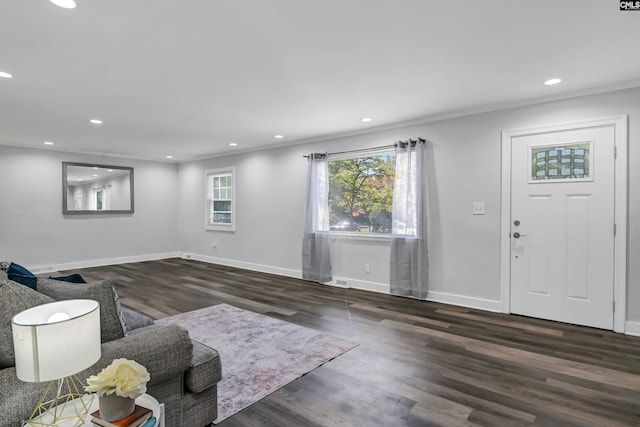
184,373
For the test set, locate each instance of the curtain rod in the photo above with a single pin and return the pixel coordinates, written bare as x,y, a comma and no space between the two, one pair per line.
372,149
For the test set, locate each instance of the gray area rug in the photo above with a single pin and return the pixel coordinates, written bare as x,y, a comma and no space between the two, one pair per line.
259,354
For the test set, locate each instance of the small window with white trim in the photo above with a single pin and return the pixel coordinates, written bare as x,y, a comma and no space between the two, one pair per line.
220,199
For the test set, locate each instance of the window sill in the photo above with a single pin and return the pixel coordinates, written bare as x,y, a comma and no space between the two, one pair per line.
219,228
371,237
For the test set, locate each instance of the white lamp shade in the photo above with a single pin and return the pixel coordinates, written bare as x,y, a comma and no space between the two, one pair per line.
56,340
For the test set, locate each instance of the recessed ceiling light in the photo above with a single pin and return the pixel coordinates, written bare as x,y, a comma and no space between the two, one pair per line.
5,75
96,121
95,168
169,157
67,4
48,143
233,144
95,174
366,119
109,170
552,82
278,136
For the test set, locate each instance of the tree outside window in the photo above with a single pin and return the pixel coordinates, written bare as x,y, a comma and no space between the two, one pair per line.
361,193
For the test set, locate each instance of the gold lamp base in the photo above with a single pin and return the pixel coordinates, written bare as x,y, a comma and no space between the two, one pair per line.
70,406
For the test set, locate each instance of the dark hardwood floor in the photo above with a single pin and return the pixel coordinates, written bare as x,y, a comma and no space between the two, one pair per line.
418,363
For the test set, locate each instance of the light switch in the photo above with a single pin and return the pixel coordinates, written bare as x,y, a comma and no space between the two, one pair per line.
477,208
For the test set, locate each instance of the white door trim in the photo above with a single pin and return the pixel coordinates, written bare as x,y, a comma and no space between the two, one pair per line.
620,266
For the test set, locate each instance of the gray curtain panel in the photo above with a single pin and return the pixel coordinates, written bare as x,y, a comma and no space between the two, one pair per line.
409,266
316,259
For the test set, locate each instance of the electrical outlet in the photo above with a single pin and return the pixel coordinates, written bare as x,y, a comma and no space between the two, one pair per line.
367,268
477,208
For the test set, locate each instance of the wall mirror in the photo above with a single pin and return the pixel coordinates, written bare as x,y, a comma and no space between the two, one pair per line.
96,189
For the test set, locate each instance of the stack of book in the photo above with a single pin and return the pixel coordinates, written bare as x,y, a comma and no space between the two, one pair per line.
138,418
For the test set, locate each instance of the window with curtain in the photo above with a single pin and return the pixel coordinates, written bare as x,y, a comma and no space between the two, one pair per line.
220,199
361,192
383,192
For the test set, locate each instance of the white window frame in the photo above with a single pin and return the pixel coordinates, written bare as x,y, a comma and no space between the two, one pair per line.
208,205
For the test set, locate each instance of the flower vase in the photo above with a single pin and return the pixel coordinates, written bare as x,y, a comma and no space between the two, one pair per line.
113,407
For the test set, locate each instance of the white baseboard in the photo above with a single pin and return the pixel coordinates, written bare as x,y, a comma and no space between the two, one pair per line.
246,265
464,301
339,282
632,328
342,282
100,262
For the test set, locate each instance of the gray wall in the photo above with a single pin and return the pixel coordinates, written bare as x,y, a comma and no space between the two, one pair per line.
33,231
169,205
465,168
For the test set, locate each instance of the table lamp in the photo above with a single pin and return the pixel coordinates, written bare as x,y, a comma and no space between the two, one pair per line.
53,342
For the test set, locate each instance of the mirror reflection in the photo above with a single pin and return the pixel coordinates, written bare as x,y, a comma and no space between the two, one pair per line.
90,188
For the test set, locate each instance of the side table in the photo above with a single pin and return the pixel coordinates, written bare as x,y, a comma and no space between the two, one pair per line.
145,400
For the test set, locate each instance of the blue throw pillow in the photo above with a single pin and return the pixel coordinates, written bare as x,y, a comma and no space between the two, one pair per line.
72,278
19,274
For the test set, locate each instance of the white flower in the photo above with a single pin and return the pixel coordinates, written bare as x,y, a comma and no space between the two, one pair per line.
125,378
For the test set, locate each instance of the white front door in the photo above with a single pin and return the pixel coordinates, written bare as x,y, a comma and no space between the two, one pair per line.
562,225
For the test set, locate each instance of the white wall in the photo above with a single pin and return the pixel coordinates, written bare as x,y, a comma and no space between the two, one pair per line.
465,168
33,231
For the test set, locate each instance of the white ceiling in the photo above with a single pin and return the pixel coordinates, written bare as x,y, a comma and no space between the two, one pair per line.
187,77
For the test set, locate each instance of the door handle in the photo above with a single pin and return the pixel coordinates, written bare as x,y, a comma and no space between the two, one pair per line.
517,235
